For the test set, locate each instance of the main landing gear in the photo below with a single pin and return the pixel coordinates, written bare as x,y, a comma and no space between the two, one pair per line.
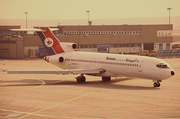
157,84
81,79
106,78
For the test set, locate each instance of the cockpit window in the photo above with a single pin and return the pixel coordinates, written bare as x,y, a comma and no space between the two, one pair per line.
161,65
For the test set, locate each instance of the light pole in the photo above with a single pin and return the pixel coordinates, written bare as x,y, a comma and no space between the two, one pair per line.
88,16
26,19
169,13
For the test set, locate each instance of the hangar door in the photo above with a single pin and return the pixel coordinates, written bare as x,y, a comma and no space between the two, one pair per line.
148,46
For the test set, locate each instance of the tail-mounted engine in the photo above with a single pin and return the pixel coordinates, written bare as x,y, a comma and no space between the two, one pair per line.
61,59
68,47
54,59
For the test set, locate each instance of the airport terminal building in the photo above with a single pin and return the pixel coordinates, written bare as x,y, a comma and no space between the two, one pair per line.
91,38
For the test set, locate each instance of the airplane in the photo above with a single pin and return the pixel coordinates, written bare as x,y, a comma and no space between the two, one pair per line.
106,65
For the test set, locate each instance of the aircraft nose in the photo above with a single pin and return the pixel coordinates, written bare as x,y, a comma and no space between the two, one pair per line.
172,73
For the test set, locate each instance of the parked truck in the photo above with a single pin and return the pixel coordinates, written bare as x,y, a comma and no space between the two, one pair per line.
152,53
144,53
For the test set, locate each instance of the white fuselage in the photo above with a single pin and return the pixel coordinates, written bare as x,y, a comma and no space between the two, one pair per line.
115,65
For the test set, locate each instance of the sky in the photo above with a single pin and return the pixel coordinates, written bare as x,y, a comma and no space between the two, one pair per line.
76,9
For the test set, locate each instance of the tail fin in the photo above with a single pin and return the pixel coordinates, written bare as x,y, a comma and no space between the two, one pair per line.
50,41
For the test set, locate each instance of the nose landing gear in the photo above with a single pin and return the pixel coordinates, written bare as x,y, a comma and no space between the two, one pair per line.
156,83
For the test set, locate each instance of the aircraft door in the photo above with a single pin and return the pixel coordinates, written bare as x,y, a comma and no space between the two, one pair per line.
140,66
69,63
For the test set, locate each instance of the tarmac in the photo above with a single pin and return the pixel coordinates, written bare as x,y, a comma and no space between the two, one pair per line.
48,96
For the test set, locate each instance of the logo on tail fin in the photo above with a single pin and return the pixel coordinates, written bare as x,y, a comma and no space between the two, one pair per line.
48,42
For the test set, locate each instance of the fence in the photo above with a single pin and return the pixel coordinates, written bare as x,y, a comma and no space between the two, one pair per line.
168,53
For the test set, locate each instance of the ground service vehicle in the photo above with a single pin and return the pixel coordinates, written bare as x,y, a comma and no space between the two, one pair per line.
144,53
152,53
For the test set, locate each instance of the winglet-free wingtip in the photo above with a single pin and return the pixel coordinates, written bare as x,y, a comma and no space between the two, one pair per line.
54,29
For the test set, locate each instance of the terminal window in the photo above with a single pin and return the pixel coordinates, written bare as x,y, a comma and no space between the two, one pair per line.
164,33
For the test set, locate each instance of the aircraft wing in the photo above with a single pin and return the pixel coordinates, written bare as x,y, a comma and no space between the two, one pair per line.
78,71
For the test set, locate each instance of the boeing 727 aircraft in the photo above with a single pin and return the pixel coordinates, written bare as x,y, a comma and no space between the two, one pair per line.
97,64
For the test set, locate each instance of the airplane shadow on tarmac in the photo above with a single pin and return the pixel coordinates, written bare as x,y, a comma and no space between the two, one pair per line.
106,85
23,82
95,84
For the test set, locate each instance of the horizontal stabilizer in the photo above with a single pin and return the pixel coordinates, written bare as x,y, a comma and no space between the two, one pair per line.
27,30
81,71
34,30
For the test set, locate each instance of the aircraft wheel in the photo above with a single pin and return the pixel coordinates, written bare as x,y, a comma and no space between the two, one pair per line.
106,78
78,79
81,79
158,84
155,84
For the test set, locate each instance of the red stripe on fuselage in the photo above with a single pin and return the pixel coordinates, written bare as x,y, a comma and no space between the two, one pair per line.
56,46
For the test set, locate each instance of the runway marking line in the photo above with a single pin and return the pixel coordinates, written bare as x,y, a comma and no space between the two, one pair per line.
43,83
55,105
24,113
